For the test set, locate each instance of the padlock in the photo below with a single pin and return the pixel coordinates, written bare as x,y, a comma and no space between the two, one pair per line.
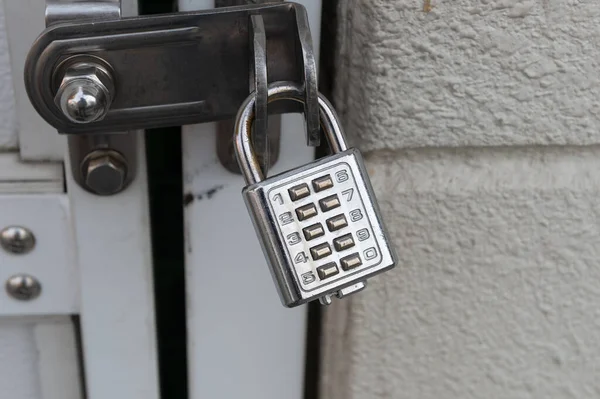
319,225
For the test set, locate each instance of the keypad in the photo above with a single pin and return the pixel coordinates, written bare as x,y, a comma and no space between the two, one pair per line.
320,220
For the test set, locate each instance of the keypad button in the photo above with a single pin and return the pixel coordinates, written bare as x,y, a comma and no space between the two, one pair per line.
322,183
320,251
350,262
313,231
327,270
337,222
306,211
329,203
344,242
298,192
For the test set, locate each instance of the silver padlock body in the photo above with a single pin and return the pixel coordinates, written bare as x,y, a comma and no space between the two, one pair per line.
320,228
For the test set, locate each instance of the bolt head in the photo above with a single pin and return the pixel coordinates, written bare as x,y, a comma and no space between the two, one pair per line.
105,172
85,92
17,239
23,287
83,102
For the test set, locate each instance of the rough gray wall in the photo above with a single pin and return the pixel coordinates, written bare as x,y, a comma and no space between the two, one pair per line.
479,123
8,119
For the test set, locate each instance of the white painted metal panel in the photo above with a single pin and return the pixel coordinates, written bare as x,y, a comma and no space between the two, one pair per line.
242,341
57,359
117,298
19,377
52,261
24,23
38,358
28,178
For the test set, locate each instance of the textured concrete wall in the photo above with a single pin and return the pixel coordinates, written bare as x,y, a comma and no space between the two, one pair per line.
8,120
480,123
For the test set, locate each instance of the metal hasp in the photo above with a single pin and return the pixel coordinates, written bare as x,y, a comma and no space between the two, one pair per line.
167,70
266,134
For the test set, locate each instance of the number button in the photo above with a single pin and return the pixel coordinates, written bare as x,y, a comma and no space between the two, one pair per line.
322,183
313,231
306,211
350,262
328,270
329,203
320,251
337,222
298,192
344,242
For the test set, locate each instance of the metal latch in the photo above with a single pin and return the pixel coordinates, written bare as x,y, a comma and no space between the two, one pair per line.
95,76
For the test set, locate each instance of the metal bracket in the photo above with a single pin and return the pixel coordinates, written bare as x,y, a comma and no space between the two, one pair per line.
94,75
171,69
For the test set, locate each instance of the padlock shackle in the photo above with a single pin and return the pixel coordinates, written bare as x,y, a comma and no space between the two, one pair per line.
246,157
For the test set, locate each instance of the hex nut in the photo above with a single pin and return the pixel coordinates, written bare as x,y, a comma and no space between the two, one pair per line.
85,92
104,172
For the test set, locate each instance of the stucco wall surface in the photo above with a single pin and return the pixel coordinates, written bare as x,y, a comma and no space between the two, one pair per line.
8,119
479,124
469,72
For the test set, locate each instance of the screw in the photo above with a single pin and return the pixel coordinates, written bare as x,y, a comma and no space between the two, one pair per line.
85,92
104,172
17,239
23,287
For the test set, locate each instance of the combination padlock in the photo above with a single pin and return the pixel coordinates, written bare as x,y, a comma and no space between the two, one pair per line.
319,225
